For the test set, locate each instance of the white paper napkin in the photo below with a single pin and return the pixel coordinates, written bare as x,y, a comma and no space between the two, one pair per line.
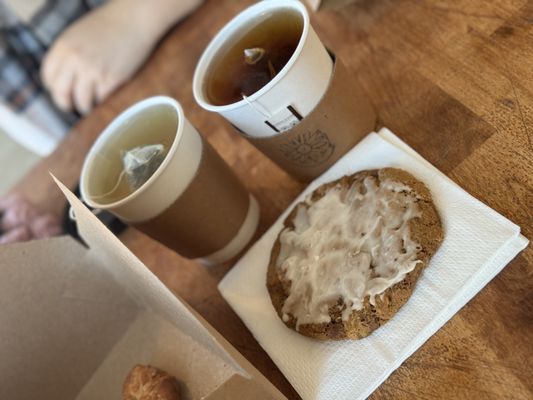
478,243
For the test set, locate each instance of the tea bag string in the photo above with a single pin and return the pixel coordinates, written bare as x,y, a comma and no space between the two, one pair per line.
251,57
119,181
256,106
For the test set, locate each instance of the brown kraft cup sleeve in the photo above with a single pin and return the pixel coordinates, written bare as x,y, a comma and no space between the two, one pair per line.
342,118
207,215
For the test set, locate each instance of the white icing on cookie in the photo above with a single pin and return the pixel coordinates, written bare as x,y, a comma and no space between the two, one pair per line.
352,243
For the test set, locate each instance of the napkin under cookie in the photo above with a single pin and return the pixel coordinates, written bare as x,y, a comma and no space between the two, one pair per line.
478,243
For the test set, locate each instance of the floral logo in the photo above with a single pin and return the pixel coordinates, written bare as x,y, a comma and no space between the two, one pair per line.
308,149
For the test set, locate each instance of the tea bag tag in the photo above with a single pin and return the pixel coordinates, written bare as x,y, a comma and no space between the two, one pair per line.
284,119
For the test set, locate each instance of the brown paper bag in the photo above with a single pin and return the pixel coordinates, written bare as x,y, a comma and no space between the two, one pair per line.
74,320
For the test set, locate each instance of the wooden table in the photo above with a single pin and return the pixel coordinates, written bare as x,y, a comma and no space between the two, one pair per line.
455,81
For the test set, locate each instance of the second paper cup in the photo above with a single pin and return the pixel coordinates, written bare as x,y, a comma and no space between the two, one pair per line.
290,95
193,203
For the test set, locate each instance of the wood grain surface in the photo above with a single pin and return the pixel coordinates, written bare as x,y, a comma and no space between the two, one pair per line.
455,81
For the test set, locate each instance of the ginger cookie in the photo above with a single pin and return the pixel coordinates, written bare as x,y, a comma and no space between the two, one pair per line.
349,256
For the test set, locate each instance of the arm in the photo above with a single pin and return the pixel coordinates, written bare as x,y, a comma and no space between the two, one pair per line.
104,48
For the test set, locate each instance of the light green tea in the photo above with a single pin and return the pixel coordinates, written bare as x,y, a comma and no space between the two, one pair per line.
107,182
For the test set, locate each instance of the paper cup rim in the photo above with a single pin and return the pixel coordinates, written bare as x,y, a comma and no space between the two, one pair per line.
214,46
111,129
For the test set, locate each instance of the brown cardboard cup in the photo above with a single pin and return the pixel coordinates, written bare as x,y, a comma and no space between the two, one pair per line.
193,203
342,118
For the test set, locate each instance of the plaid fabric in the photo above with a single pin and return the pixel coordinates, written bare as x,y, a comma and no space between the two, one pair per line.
22,47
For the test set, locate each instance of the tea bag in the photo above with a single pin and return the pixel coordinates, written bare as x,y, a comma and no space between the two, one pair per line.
139,164
254,55
260,70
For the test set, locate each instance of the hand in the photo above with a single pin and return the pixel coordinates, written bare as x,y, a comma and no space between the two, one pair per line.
103,49
95,55
21,221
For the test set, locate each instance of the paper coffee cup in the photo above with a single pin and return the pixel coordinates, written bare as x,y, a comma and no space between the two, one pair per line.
294,91
193,203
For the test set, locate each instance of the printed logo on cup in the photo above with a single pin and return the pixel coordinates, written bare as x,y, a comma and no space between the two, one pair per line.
308,148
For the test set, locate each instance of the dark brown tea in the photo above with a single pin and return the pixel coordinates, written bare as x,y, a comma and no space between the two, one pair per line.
254,59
